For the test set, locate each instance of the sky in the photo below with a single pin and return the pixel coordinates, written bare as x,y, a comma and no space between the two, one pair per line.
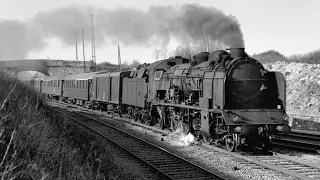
288,26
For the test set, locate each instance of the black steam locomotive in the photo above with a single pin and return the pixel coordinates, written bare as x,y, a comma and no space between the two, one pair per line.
225,97
222,97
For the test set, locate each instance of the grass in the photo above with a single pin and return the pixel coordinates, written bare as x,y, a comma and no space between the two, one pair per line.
35,143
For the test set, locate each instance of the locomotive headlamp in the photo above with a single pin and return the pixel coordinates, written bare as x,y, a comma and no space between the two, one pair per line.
278,106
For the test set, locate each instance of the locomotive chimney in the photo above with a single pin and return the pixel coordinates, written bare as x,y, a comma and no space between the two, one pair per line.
238,53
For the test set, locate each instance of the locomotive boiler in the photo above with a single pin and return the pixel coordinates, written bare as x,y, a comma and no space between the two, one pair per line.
223,97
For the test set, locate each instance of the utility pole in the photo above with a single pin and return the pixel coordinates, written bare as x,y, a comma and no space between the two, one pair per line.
75,34
93,44
119,58
84,59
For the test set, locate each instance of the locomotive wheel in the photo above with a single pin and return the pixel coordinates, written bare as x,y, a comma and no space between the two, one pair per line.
231,142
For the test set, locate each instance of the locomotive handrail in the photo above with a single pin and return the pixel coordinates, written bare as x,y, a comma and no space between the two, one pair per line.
187,106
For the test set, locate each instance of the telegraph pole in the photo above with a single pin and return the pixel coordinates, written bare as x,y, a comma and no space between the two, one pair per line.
84,59
119,58
93,44
75,34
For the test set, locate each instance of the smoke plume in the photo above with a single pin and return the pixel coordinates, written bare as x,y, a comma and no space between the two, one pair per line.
188,22
18,38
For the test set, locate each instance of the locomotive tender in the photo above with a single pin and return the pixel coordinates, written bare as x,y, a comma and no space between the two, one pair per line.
222,97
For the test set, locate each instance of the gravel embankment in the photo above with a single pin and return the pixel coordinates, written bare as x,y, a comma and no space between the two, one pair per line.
226,165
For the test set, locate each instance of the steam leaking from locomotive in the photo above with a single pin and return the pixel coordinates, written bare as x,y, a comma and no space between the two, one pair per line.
188,22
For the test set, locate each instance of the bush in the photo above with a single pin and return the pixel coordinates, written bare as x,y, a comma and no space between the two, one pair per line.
35,143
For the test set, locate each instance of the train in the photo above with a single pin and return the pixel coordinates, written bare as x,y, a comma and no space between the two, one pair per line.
224,97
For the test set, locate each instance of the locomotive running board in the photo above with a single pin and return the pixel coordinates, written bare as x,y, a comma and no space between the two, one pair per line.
187,107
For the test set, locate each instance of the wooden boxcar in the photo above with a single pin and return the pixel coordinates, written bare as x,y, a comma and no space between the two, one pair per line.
134,92
107,87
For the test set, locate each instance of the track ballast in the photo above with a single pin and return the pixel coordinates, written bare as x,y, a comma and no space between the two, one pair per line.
158,162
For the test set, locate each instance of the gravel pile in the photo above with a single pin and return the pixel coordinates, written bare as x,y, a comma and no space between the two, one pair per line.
303,85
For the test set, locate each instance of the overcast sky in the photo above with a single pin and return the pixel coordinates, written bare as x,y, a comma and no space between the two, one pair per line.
288,26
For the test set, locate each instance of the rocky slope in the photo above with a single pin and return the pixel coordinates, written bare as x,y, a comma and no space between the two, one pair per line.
303,85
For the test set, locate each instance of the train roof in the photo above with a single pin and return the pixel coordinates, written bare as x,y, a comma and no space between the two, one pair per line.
111,74
49,78
84,76
38,78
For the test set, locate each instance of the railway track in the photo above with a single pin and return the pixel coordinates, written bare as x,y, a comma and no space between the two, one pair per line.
288,165
298,139
156,162
292,167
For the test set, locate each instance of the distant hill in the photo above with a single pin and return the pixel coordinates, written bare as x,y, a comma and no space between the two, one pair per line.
270,56
274,56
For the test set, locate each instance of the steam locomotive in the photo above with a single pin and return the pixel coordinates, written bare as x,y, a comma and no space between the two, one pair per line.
223,97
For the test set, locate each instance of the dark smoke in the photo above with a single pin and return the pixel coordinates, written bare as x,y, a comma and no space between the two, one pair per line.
18,38
198,21
189,22
61,23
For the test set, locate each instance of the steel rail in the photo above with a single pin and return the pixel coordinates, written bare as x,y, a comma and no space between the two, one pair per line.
179,169
298,167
